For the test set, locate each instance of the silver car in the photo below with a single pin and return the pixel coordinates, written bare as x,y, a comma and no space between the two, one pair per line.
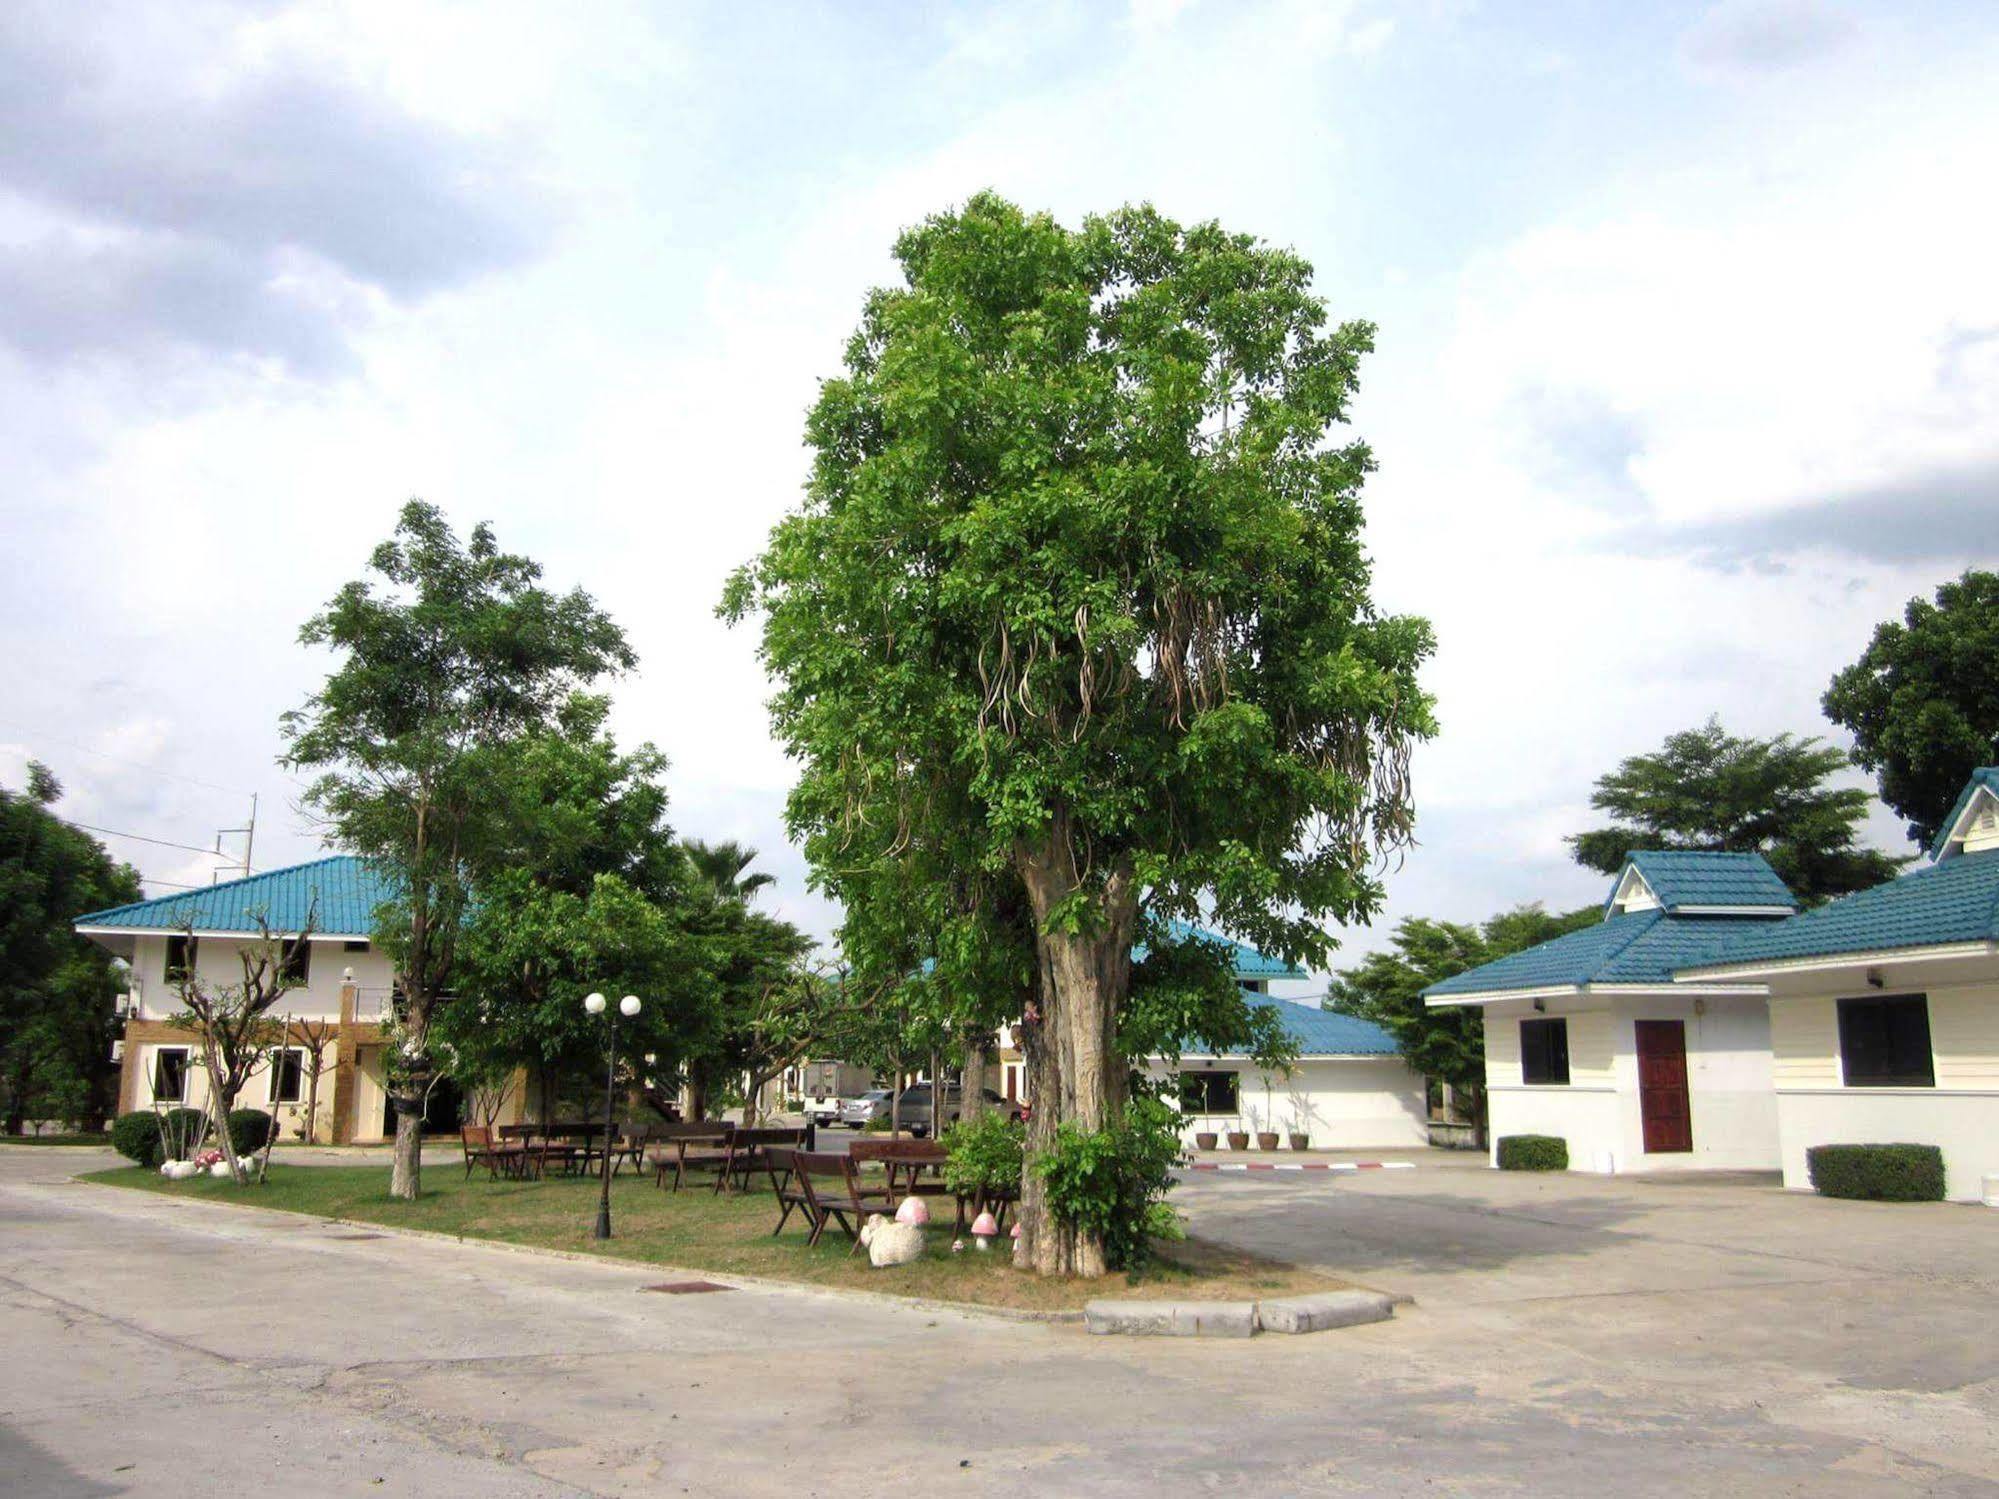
858,1113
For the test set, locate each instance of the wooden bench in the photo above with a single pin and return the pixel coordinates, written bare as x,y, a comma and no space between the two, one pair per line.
904,1163
827,1188
746,1153
481,1149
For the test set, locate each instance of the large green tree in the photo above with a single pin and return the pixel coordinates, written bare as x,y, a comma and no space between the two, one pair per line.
1446,1043
1077,591
1922,702
58,991
448,658
1707,789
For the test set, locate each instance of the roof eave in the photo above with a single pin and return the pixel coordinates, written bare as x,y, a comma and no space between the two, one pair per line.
1941,952
1609,991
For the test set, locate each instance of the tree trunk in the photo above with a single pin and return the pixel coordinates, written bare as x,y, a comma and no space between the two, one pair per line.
1075,1073
972,1084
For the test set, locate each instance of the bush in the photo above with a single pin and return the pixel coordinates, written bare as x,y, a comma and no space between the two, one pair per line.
249,1130
1533,1153
986,1154
1877,1173
1113,1182
136,1135
879,1125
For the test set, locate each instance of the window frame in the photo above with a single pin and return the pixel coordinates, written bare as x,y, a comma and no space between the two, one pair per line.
274,1059
190,957
1851,1006
1206,1075
160,1054
1543,1053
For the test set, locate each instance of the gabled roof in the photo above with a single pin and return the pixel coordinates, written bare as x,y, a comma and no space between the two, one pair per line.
1317,1032
1684,879
347,889
1951,902
1985,779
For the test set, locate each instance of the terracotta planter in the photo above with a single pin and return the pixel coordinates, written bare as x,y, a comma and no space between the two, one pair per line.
1301,1142
1238,1139
1204,1140
1266,1139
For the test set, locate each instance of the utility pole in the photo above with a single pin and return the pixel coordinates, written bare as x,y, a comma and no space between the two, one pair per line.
249,839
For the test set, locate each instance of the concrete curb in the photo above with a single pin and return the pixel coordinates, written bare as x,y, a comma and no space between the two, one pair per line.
1301,1166
655,1267
1238,1319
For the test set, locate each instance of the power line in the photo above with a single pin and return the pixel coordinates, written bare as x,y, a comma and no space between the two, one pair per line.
213,853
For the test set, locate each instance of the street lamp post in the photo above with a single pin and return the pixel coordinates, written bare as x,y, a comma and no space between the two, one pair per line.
597,1005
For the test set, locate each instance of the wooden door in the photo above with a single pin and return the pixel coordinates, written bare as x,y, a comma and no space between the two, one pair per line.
1662,1086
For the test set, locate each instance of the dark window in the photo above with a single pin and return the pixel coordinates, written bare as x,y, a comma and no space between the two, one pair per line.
355,945
296,965
287,1074
170,1074
1209,1093
1544,1051
1885,1043
180,958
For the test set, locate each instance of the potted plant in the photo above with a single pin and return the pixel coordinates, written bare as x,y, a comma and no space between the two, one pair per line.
1204,1139
1300,1140
1266,1139
1238,1139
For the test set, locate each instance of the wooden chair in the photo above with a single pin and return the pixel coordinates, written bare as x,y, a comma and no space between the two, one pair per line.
698,1146
482,1150
833,1192
780,1162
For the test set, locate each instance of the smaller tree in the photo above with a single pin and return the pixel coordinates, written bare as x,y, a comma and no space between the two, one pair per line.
798,1015
315,1039
1707,789
1448,1043
233,1021
1922,702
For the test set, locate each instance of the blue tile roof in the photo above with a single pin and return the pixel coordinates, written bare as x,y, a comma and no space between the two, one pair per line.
1317,1032
1249,963
1955,901
1689,877
347,889
1641,947
1986,777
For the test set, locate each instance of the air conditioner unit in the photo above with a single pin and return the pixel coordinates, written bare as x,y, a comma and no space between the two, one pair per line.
118,1050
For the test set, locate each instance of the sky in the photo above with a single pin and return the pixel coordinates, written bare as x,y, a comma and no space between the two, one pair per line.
1687,370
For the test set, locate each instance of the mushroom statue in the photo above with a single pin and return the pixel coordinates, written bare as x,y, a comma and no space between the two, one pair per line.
983,1228
913,1210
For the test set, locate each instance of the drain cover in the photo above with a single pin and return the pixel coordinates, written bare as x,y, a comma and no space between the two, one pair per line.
352,1238
685,1287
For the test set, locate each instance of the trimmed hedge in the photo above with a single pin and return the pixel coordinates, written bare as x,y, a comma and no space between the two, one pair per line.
136,1135
250,1130
1533,1153
1877,1173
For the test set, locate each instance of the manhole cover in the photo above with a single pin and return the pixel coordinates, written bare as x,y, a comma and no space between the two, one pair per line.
685,1287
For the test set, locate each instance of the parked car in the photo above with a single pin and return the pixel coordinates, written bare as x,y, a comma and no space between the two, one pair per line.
914,1115
823,1110
858,1113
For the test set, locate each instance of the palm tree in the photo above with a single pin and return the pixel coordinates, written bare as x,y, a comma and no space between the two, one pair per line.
721,866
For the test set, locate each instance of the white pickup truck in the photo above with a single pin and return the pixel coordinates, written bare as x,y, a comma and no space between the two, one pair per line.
823,1110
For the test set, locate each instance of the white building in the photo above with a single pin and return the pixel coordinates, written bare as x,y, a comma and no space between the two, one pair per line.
1595,1038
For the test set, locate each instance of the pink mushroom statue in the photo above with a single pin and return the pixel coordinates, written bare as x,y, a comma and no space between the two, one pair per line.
983,1229
913,1210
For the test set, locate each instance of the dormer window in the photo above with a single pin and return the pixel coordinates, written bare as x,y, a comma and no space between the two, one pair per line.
1633,894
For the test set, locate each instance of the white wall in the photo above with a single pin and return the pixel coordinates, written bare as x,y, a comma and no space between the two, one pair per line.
217,961
1598,1111
1964,1126
1341,1103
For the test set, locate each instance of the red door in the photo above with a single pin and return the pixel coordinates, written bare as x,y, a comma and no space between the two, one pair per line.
1662,1086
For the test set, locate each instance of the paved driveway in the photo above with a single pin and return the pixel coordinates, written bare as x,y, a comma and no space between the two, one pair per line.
159,1347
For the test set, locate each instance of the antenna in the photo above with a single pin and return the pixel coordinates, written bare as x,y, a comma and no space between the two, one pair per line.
249,833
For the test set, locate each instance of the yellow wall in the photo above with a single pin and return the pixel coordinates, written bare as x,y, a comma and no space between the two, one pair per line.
1964,1038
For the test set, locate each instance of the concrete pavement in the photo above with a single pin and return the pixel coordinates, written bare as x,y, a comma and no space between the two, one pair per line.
162,1347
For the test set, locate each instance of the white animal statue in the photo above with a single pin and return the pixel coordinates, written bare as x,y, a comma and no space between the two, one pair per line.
220,1168
891,1243
180,1171
913,1210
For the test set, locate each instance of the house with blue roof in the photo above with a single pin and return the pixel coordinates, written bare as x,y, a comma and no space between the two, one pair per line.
1596,1037
344,987
1884,1006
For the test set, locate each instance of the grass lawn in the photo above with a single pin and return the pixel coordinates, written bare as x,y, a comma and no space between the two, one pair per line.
699,1231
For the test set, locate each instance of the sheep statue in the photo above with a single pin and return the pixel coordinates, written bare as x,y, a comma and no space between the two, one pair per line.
891,1243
